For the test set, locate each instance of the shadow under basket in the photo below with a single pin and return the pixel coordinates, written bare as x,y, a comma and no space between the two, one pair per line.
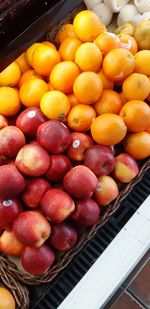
19,292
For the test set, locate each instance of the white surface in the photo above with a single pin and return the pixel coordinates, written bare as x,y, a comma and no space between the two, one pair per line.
114,265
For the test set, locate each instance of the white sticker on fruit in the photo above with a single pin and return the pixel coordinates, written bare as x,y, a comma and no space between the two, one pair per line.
104,13
31,114
76,143
125,15
99,187
143,6
7,203
116,5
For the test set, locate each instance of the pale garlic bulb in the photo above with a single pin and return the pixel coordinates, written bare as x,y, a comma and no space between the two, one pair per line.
136,19
104,13
125,15
90,4
116,5
143,6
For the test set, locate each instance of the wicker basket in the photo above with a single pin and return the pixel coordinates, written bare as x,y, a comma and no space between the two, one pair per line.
19,292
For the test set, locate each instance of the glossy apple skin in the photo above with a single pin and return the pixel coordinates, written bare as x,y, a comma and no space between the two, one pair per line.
106,191
30,120
31,228
12,182
9,211
57,205
63,236
54,136
100,160
86,213
126,168
10,244
3,122
59,166
80,182
12,140
34,191
37,261
33,160
80,143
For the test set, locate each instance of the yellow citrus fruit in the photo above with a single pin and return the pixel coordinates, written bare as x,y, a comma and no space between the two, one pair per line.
30,51
65,31
7,301
68,48
136,87
81,117
11,75
9,101
142,34
142,62
32,91
138,145
23,64
88,57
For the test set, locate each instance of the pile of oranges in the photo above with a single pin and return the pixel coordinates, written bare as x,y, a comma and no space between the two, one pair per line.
92,80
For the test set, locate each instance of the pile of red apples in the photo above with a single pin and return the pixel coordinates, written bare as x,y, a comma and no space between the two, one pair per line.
53,182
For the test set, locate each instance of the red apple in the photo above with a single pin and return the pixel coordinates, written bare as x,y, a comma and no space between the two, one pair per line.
106,191
57,205
54,136
37,261
34,191
59,166
3,122
11,182
100,160
33,160
80,182
9,211
11,141
32,228
29,120
63,236
3,160
80,143
86,213
126,168
10,244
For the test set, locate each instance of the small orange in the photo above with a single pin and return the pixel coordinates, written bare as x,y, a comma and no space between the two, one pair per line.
118,64
30,51
87,26
136,115
148,98
11,75
81,117
68,48
63,75
88,57
7,301
28,75
32,91
44,59
23,64
50,87
73,100
50,44
106,42
88,87
108,129
55,105
107,83
9,101
66,31
136,87
142,62
123,99
128,42
138,145
109,102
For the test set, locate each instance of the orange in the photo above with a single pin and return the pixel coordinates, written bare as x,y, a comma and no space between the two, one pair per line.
55,105
63,76
81,117
9,101
107,41
148,98
88,57
68,48
44,59
123,99
28,75
50,44
136,115
11,75
109,102
87,26
23,64
32,91
136,87
142,62
88,87
108,129
66,31
7,301
50,87
128,42
138,145
73,100
118,64
30,51
107,83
